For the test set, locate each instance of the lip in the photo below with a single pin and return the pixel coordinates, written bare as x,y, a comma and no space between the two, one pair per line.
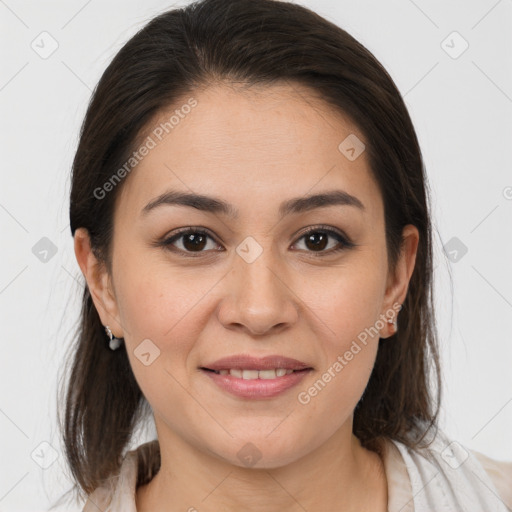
248,362
256,389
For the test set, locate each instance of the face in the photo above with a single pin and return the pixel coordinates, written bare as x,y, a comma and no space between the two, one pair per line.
274,272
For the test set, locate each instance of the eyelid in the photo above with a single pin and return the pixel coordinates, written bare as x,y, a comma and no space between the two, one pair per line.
325,228
345,241
167,241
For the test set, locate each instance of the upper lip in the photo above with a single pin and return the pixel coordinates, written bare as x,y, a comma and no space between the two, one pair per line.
247,362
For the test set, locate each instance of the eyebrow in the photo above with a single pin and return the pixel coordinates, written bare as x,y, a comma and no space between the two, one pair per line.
218,206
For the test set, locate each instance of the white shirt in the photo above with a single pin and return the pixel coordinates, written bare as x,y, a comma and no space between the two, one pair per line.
444,477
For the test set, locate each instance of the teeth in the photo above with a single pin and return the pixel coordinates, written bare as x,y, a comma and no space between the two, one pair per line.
249,374
267,374
256,374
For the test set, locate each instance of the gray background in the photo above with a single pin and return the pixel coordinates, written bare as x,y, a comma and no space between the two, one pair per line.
461,106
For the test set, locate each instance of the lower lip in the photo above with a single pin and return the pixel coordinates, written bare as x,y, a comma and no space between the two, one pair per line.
256,388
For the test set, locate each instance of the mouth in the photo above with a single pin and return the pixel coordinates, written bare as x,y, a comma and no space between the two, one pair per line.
252,374
251,385
248,363
255,378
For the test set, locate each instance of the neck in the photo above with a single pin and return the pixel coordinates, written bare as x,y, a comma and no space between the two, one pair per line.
192,480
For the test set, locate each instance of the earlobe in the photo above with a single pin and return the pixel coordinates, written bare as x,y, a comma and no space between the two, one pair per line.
98,281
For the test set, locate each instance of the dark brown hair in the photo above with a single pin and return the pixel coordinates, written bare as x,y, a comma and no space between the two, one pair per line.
249,42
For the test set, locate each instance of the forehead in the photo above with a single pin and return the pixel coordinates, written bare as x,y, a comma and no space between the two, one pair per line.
269,142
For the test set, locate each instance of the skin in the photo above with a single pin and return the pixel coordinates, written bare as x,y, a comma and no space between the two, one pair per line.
253,149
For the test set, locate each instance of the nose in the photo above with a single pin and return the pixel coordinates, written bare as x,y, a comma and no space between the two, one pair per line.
258,298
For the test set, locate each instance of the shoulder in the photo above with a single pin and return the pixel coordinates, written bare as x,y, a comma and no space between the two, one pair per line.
501,475
447,475
117,494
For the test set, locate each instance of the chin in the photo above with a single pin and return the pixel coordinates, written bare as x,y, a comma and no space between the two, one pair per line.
260,451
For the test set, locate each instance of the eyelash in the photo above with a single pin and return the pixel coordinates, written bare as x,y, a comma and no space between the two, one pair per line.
344,242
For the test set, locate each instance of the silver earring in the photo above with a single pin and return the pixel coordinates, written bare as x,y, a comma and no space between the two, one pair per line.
393,322
114,342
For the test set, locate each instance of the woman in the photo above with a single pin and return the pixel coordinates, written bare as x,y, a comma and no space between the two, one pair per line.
250,212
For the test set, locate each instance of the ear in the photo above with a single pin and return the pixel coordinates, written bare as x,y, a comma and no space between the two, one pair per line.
397,284
99,282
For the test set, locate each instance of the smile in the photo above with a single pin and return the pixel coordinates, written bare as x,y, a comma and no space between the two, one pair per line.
255,374
255,384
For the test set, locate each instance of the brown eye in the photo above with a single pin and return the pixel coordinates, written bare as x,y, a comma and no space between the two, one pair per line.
194,241
190,241
317,239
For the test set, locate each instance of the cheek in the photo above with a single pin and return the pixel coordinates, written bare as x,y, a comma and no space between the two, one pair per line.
171,309
349,347
168,310
346,300
345,306
157,300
